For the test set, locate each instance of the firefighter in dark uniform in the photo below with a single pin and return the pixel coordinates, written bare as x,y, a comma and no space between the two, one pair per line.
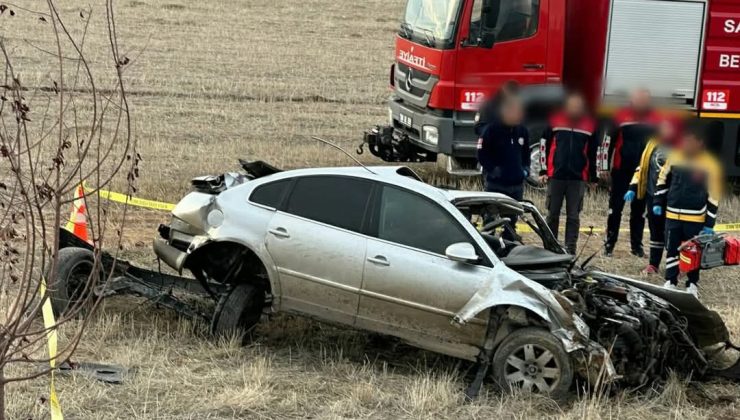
568,161
644,183
503,151
633,126
688,192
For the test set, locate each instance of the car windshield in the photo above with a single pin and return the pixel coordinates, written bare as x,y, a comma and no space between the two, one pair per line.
431,21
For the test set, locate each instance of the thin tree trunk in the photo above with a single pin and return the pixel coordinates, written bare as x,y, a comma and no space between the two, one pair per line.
2,394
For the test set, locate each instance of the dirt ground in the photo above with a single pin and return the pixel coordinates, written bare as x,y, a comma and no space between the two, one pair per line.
214,81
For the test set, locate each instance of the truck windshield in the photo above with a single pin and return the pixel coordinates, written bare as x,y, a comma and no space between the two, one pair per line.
431,22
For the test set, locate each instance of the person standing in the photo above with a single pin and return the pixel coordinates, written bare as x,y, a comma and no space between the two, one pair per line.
643,187
633,126
503,150
688,192
568,160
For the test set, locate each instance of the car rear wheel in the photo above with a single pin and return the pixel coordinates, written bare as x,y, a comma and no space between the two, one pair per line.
533,360
239,312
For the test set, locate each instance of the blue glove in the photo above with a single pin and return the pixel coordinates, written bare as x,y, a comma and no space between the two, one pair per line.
707,231
657,210
629,196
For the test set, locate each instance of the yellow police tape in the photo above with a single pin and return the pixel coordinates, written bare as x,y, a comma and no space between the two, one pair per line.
159,205
51,337
130,200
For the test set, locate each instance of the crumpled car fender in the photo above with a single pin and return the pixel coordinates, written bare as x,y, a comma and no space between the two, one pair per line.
505,286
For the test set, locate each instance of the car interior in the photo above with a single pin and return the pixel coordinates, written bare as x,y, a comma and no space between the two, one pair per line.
495,223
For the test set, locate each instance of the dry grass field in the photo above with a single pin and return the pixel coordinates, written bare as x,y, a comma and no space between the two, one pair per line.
213,81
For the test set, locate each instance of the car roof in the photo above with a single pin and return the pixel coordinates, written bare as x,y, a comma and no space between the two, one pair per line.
397,175
402,176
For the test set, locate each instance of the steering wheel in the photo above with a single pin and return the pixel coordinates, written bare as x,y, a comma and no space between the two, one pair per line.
491,226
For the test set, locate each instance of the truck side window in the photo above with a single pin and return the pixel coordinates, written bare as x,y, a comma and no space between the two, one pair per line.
509,19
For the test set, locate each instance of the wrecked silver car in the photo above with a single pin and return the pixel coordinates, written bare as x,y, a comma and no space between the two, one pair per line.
377,249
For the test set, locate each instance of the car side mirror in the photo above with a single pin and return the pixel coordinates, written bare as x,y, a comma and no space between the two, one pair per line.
462,252
487,39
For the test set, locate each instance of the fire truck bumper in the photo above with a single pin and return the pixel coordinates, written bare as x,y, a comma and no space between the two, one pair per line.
449,133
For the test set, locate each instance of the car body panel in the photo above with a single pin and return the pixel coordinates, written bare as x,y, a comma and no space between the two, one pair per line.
319,266
396,295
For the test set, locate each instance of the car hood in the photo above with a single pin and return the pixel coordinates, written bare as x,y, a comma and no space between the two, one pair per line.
705,325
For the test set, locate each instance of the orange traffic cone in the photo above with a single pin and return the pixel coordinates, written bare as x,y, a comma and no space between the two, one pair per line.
77,220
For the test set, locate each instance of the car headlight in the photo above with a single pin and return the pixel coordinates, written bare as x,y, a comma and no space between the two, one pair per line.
431,135
390,117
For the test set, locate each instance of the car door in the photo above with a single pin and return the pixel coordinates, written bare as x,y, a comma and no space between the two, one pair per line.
317,247
411,289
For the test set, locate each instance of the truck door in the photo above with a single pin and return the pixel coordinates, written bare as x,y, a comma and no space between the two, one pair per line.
520,31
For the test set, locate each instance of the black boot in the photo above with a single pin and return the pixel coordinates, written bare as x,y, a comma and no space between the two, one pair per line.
609,250
638,252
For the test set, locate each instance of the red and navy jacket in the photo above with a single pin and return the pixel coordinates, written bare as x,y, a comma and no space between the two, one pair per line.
624,146
568,149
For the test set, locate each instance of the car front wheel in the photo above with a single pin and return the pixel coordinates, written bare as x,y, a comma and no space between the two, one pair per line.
533,360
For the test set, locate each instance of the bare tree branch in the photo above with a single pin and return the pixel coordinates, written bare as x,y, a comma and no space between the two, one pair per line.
53,138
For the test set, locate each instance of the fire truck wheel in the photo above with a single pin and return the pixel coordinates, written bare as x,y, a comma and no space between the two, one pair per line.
535,167
69,292
238,312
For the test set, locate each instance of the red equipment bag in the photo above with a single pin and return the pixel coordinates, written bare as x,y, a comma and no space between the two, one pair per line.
732,251
690,258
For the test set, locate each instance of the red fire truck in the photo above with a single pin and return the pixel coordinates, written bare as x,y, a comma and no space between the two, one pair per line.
451,54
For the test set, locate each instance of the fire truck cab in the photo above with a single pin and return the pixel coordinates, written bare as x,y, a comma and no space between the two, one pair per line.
451,55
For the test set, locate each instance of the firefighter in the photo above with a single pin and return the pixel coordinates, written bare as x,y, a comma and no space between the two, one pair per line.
568,160
633,126
644,183
503,151
688,192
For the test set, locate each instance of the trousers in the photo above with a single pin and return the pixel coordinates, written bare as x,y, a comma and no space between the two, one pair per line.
572,193
620,185
676,233
656,224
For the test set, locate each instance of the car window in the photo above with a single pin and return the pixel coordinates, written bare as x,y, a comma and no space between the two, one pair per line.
270,195
334,200
412,220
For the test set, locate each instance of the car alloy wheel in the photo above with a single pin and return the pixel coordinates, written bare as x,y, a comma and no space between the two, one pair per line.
533,360
532,368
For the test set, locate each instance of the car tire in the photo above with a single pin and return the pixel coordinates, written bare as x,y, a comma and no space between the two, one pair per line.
533,360
238,312
73,269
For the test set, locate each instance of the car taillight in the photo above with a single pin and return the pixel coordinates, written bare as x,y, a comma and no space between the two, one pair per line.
393,75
